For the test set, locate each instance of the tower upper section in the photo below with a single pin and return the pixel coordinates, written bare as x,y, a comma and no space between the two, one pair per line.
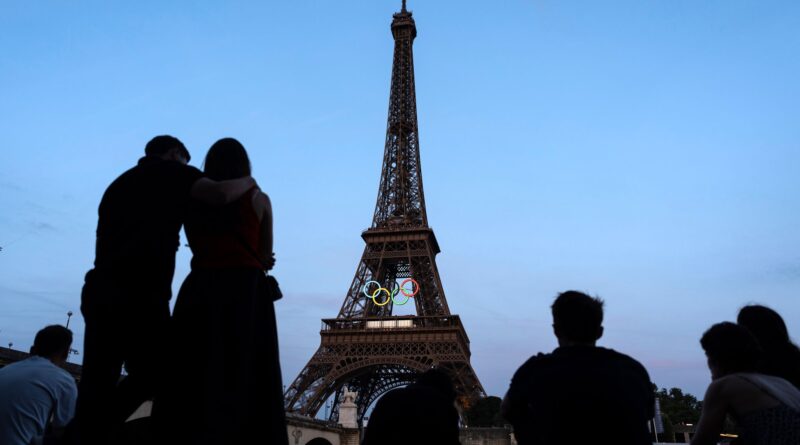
401,200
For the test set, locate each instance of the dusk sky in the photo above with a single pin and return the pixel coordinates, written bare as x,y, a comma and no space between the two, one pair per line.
644,151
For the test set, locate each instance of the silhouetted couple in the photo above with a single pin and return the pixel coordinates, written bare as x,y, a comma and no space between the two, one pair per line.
213,368
581,393
755,370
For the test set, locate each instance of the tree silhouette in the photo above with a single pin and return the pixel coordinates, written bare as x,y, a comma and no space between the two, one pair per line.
678,407
485,413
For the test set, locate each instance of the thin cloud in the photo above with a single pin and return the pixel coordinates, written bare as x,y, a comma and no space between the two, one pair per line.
41,226
22,296
789,271
10,186
45,209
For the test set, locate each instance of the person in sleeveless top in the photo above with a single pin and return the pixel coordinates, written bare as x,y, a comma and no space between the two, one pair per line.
226,385
766,408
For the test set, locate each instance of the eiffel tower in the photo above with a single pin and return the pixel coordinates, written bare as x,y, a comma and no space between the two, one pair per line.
365,348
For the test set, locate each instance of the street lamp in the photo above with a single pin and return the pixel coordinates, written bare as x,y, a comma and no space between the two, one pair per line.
69,315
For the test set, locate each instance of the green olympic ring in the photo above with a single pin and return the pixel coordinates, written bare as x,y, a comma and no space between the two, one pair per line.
393,294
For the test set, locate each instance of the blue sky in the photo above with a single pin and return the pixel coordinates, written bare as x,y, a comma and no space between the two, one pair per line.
646,152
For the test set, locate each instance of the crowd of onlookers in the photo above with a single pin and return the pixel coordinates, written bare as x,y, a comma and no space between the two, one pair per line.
580,393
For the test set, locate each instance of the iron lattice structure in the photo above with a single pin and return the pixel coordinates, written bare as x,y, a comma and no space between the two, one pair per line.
366,348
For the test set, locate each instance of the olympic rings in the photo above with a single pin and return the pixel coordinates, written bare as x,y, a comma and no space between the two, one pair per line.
391,295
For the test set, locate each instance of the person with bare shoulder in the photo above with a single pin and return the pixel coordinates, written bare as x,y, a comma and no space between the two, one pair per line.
125,298
225,382
766,408
263,208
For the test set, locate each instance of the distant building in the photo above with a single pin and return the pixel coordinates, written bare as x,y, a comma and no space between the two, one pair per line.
8,356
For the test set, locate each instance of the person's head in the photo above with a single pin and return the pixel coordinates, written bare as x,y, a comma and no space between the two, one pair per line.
226,159
168,148
439,380
577,318
730,348
53,343
766,325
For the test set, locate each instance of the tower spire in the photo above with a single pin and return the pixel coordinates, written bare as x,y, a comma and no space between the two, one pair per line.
404,6
401,200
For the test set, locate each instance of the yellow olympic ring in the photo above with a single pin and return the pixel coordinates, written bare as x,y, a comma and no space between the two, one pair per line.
375,294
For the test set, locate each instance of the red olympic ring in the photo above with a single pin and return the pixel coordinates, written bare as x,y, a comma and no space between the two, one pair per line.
415,287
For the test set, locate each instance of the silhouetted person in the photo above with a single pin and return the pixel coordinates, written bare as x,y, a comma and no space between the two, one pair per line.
226,385
125,299
780,356
766,408
36,392
580,393
422,413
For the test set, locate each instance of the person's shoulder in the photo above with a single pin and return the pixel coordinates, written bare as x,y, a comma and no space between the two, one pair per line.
64,375
390,400
395,393
60,378
260,198
532,365
10,368
55,371
147,170
174,173
124,178
34,367
68,383
260,201
720,387
190,169
175,166
147,166
131,171
623,360
749,380
618,356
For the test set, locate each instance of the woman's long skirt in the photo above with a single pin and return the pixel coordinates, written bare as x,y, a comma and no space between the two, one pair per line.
224,384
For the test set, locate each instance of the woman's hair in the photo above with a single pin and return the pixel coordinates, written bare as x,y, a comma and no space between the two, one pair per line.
732,347
781,356
226,159
766,325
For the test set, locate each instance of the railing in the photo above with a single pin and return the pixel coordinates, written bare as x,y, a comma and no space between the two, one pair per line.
390,323
397,228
